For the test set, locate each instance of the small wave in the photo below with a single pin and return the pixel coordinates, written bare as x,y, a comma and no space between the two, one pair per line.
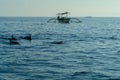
90,75
103,38
53,72
30,79
2,79
80,73
57,42
40,77
114,79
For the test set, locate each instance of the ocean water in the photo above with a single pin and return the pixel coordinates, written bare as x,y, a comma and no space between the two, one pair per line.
77,51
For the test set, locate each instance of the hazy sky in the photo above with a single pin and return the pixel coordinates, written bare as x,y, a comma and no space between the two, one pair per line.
51,7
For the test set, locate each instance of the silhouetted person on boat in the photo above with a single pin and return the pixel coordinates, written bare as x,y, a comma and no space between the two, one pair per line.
13,42
58,17
13,38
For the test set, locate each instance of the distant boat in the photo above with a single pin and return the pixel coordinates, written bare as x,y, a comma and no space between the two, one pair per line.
63,18
28,37
88,17
13,42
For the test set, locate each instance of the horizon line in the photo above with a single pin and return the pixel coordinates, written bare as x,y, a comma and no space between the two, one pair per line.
55,16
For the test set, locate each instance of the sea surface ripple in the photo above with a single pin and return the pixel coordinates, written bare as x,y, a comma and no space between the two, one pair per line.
77,51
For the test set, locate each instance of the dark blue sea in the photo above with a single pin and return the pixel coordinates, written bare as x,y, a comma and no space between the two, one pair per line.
77,51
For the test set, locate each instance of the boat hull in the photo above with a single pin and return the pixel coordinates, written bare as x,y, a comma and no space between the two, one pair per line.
64,20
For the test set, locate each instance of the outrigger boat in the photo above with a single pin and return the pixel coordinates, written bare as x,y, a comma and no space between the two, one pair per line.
63,18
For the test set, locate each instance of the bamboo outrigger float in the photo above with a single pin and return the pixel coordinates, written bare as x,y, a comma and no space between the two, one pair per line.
63,18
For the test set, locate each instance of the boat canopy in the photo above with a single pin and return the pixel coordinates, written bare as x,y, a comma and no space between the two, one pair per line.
63,13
